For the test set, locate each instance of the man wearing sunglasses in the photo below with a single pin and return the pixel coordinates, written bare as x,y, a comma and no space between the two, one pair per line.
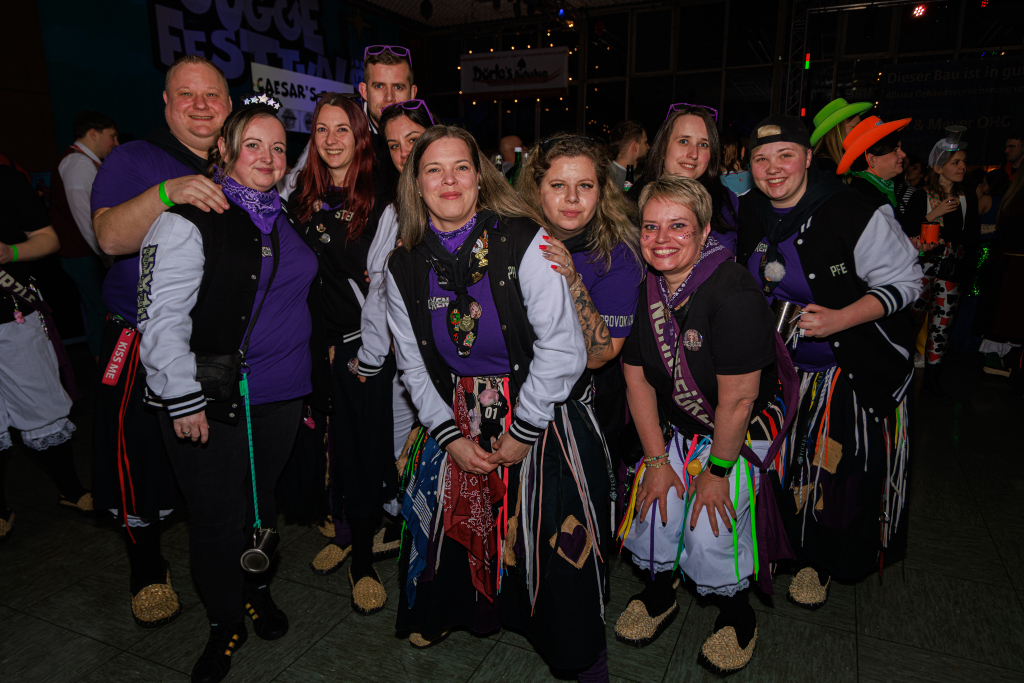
387,80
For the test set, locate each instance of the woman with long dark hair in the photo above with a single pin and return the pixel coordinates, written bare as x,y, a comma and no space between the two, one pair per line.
943,200
507,515
335,203
687,144
216,288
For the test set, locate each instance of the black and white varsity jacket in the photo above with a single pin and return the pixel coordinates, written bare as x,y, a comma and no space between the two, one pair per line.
205,304
848,248
538,320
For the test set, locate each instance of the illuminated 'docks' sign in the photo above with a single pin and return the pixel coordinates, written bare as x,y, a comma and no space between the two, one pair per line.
516,73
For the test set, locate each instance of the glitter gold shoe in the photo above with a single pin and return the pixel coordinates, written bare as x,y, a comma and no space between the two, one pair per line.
156,604
329,560
368,594
83,504
721,652
805,590
637,628
326,527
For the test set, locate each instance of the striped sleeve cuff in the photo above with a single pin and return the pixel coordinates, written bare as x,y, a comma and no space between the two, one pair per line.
445,433
185,405
889,296
524,432
365,370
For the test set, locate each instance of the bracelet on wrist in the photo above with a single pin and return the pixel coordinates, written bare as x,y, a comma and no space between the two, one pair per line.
14,248
163,195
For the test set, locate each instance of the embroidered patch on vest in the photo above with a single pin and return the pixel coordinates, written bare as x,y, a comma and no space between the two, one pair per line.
148,260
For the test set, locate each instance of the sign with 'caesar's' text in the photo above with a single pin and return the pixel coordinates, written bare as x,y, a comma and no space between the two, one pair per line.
297,93
516,73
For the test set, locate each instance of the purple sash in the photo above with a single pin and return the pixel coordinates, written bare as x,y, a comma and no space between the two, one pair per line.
773,544
16,289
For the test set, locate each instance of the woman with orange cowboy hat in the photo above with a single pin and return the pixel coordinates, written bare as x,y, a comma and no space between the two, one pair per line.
873,156
835,120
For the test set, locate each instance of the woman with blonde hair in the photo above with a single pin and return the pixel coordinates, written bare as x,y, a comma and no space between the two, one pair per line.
593,244
831,126
507,512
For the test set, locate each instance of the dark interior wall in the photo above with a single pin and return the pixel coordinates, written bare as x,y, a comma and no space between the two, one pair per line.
27,116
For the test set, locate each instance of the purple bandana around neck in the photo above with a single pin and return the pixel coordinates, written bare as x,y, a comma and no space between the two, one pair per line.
263,207
454,239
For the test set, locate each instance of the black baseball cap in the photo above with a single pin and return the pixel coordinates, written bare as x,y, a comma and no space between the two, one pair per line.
779,128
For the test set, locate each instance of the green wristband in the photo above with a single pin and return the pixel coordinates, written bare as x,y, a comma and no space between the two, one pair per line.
721,463
15,250
163,195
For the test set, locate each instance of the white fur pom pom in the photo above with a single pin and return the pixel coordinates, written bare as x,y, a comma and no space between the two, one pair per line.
774,271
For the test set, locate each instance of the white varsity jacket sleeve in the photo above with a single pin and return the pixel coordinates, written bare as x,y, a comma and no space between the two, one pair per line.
376,337
559,354
434,412
170,271
887,262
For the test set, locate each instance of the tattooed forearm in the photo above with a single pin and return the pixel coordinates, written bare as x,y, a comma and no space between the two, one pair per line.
595,333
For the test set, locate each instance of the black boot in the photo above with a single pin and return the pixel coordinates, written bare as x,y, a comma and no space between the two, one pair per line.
215,662
933,381
269,622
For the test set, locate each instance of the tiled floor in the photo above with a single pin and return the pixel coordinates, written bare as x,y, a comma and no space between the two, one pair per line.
951,612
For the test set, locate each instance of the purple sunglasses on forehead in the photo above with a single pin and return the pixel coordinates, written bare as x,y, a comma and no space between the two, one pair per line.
396,50
411,105
679,105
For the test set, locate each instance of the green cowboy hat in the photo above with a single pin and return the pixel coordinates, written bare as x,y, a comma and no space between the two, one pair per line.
834,113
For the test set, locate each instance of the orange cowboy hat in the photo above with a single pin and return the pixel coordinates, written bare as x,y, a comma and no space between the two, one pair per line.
863,136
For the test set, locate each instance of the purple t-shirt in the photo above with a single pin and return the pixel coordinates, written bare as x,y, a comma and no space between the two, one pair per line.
613,290
128,171
811,355
488,356
278,355
728,239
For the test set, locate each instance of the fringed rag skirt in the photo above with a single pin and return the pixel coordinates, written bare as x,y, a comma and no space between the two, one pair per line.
548,547
847,479
719,565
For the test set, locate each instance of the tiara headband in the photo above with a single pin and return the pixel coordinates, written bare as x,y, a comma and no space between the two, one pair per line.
262,99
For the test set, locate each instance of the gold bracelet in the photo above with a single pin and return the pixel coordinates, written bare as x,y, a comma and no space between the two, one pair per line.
578,283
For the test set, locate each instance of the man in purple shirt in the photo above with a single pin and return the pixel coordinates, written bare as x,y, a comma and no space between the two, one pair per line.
137,182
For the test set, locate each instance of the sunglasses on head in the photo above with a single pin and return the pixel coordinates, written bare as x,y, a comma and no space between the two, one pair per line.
410,105
679,105
546,145
396,50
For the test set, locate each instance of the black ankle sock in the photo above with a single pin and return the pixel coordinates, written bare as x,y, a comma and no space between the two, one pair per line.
738,613
658,596
147,565
362,546
58,462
